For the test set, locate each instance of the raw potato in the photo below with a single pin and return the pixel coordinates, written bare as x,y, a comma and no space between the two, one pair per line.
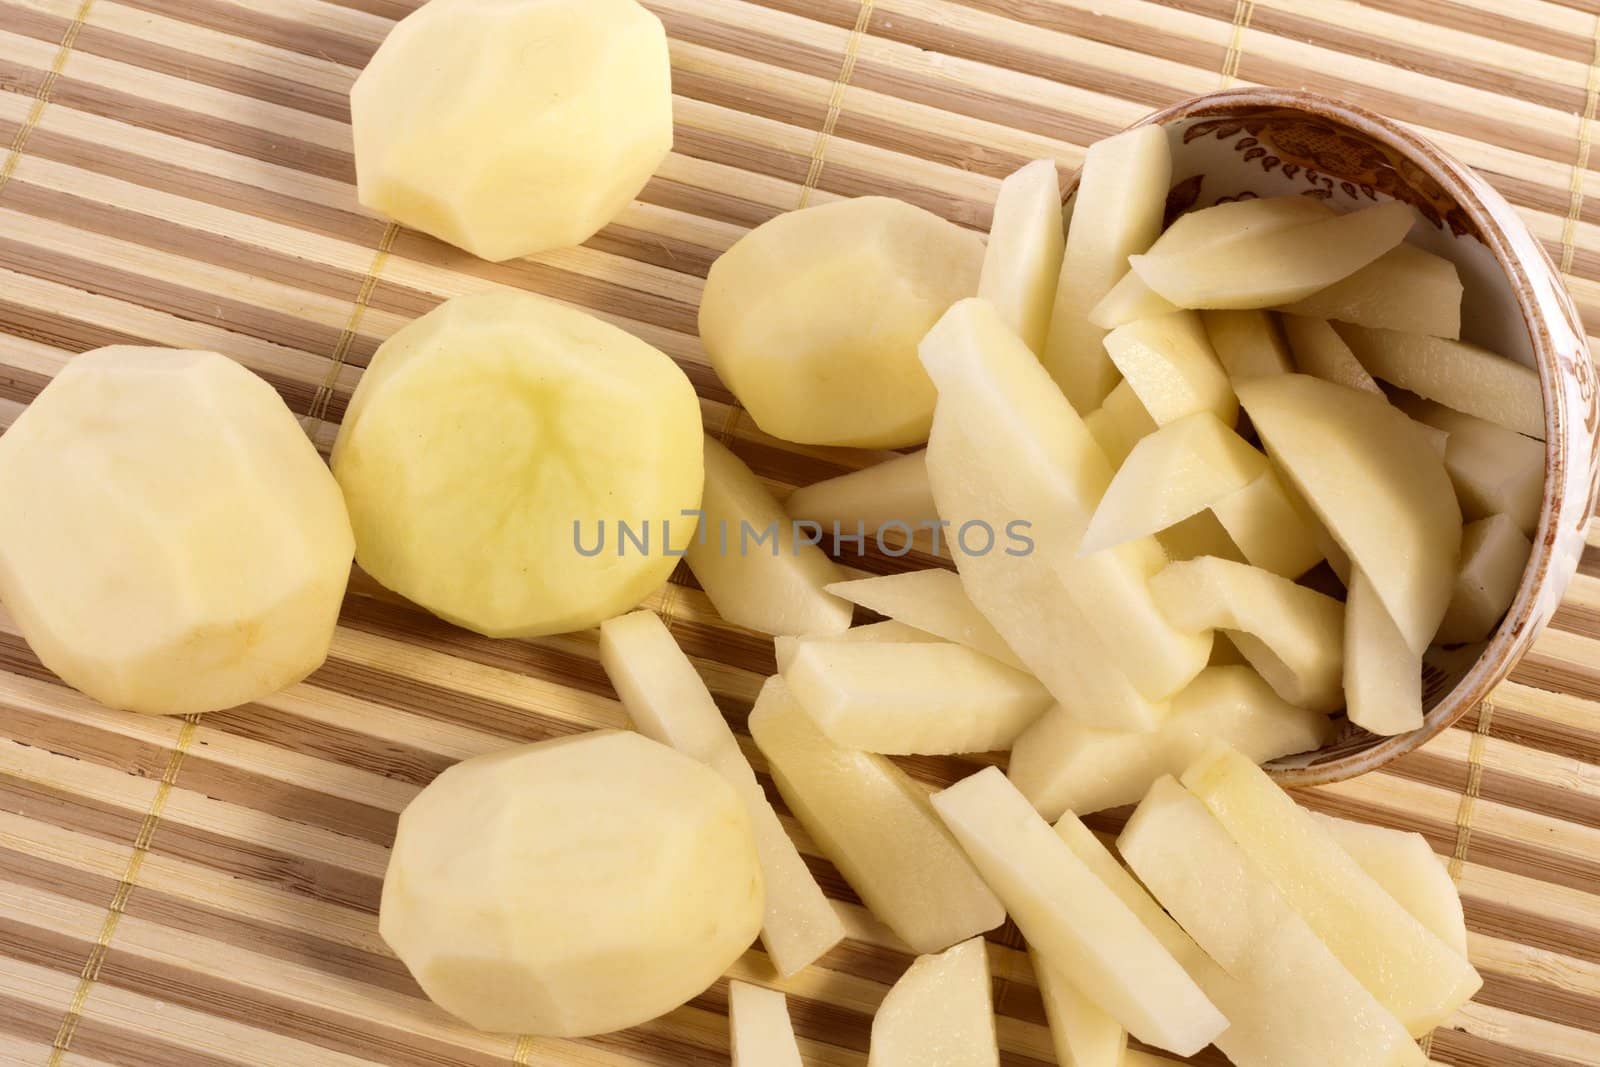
170,541
1370,475
1410,971
1494,553
1198,535
1320,351
1008,447
1409,870
1082,1033
1129,301
892,492
1177,472
461,134
1301,629
668,703
1404,289
1026,243
1270,530
1275,267
1117,212
1060,764
759,1029
1382,675
1456,374
912,699
1070,916
1248,343
939,1014
889,632
776,586
1495,470
1120,423
489,440
573,887
813,319
1171,366
875,823
932,601
1290,1001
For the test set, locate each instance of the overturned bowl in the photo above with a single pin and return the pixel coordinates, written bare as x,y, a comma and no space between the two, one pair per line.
1276,142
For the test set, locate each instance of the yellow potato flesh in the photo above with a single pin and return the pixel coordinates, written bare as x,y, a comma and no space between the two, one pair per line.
1120,423
1409,870
1023,260
510,128
573,887
1495,470
892,492
813,319
939,1014
759,1029
1269,528
1170,364
1382,675
1082,1033
785,646
1248,343
171,542
1404,289
932,601
1494,553
1322,353
488,442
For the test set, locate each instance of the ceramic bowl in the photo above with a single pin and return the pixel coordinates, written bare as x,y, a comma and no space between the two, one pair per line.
1273,142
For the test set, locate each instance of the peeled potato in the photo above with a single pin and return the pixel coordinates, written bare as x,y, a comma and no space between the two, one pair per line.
170,540
493,442
509,127
813,319
572,887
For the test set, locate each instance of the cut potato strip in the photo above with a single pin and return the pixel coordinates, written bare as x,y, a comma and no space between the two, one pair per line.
1026,244
1368,473
1070,916
1117,212
889,632
1248,343
1129,301
1322,353
1494,553
1292,1003
1060,764
760,1032
912,699
751,565
668,702
1495,470
1121,423
892,492
1277,267
1006,448
1081,1032
1199,535
1456,374
1170,365
1382,675
1238,221
1410,971
876,825
932,601
1301,628
1269,528
1404,289
1180,470
939,1014
1410,871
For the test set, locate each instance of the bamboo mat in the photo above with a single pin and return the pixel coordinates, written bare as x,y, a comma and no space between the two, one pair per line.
202,893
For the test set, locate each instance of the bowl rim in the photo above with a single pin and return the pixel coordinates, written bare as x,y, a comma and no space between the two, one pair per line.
1516,631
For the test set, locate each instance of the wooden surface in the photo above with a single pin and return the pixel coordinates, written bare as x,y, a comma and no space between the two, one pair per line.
190,894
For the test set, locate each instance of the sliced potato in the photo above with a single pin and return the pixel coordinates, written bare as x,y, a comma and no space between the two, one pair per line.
1117,212
876,825
939,1014
1026,243
1120,423
1238,221
933,601
912,699
1070,915
1409,870
1456,374
1320,351
760,1033
774,584
890,632
1302,628
1382,675
1062,764
1495,470
1199,535
1170,365
1369,474
1494,553
894,491
1268,527
1082,1033
1178,471
1248,344
1404,289
1129,301
1276,267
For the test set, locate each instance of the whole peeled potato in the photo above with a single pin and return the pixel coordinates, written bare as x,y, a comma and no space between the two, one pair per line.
813,319
509,127
170,541
573,887
492,438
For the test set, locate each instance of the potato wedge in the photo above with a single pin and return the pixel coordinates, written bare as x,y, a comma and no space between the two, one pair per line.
1456,374
1269,528
1495,470
1199,535
1494,553
1170,364
1026,242
1405,289
1382,675
1320,352
1249,344
1120,423
890,632
1081,1032
894,491
933,601
1409,870
760,1034
939,1014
